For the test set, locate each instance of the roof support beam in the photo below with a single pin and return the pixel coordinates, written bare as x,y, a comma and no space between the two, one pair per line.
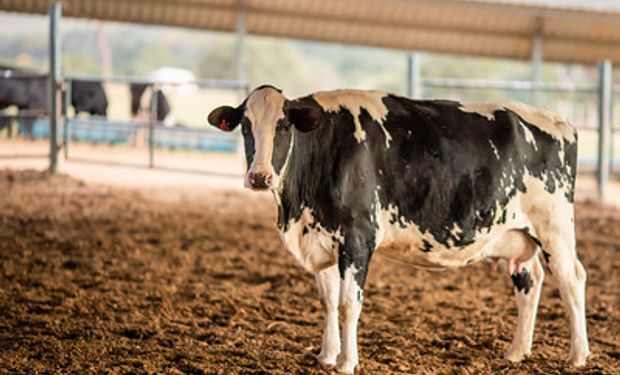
414,76
537,59
605,104
240,46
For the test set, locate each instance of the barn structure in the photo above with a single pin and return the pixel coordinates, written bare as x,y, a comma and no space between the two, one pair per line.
537,30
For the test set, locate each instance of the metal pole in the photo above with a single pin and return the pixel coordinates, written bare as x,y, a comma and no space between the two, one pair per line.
414,77
537,59
604,127
154,92
240,48
54,11
65,131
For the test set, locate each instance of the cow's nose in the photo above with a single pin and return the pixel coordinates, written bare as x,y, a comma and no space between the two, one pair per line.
260,180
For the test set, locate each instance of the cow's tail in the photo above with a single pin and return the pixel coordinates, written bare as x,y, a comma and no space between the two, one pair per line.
570,160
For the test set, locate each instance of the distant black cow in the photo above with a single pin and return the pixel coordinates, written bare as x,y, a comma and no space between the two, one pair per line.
141,94
440,184
29,93
89,97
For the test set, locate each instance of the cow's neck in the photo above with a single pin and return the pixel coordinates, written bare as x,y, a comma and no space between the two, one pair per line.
303,181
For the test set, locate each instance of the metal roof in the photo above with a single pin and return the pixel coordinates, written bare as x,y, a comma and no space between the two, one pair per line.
502,28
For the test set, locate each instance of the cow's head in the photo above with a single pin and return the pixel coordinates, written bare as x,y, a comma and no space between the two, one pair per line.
266,119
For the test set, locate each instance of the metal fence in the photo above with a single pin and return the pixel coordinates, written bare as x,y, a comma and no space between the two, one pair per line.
151,133
590,107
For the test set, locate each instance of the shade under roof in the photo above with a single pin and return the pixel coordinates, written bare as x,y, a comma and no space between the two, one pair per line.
468,27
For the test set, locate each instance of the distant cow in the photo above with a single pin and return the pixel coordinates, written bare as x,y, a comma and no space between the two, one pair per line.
29,93
436,183
89,97
141,94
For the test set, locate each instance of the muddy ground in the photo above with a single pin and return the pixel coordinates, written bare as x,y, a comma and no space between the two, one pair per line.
96,279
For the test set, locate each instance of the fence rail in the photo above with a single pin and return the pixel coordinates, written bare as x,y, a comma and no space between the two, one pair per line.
529,86
152,132
206,83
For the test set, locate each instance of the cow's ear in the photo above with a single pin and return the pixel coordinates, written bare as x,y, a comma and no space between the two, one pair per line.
225,118
305,116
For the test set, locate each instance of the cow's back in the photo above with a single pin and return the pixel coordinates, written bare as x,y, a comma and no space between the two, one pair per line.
455,173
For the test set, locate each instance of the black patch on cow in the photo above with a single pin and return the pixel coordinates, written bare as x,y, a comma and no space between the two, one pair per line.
305,230
426,246
522,281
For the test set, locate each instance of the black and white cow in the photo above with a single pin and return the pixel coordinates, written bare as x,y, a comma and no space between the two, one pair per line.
141,101
29,93
438,183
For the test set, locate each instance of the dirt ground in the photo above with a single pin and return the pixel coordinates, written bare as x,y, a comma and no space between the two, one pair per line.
98,279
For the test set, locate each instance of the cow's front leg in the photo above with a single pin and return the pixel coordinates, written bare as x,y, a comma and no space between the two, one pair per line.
328,284
353,259
527,286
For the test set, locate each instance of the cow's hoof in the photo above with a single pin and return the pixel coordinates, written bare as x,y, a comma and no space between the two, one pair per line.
578,358
516,355
345,366
326,360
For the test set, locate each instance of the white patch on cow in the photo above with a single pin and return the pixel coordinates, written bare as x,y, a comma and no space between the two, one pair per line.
455,231
315,250
561,155
529,137
264,108
351,298
483,109
328,283
288,157
544,119
354,101
495,151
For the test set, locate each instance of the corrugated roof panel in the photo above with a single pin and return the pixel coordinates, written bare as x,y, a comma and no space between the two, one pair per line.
476,27
588,30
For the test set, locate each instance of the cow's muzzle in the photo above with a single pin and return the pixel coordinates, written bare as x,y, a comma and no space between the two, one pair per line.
261,180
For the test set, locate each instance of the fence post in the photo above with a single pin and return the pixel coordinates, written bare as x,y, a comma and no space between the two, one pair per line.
54,115
154,94
414,77
240,49
604,127
65,130
537,60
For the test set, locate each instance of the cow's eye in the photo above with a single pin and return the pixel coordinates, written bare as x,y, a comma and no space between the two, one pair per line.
283,126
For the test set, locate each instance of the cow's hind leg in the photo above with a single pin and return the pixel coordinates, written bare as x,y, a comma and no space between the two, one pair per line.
566,268
527,286
328,284
353,259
